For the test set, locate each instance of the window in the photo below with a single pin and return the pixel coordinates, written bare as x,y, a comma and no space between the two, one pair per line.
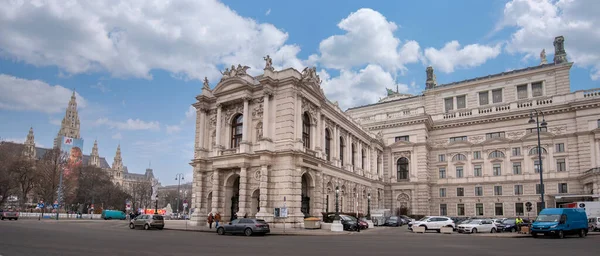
518,190
497,190
499,209
306,130
327,144
401,138
497,96
519,209
479,209
449,104
516,151
460,209
492,135
534,151
497,169
496,154
442,158
237,127
536,89
477,172
342,146
522,92
476,154
442,192
598,123
402,168
363,159
560,147
442,173
459,138
353,153
484,98
443,209
459,171
517,168
536,166
459,157
562,188
534,130
561,166
460,191
478,191
461,102
378,163
538,189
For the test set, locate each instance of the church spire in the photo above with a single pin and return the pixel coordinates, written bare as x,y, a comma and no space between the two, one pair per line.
29,150
69,126
118,161
94,156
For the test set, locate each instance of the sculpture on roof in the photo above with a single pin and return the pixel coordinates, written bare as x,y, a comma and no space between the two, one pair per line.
310,74
233,72
206,86
560,55
543,57
268,63
431,82
390,92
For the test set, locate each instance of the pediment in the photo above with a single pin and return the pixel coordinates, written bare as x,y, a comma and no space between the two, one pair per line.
543,135
232,85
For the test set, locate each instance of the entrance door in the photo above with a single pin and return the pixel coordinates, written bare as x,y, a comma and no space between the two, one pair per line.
235,200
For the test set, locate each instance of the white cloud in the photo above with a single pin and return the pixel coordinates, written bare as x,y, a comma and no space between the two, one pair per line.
188,38
370,39
451,56
34,95
100,86
190,113
55,121
173,129
130,124
268,12
538,22
117,136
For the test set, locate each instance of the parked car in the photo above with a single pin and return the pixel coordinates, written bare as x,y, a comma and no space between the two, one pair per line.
393,221
113,214
244,226
477,225
362,222
148,221
405,219
433,223
560,222
9,214
508,225
594,224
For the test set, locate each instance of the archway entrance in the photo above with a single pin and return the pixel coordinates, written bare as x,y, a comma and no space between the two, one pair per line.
305,208
232,197
255,204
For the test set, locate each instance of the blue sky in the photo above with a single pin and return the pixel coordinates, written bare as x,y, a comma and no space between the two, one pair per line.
137,68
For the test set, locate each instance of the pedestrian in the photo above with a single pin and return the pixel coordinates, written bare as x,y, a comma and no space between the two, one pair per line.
518,223
217,219
245,215
210,220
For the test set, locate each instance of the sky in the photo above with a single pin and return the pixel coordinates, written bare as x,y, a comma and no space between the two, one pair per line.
137,65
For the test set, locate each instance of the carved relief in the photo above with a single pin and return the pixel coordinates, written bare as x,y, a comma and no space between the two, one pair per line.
257,112
402,154
557,130
515,135
476,139
239,71
307,106
440,143
232,110
213,136
212,120
259,130
403,197
257,175
310,75
210,178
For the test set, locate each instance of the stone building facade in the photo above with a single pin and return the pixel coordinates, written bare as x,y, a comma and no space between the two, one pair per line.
459,149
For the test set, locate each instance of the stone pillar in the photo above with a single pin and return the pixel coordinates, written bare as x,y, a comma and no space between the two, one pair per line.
215,191
218,129
320,134
298,122
246,124
335,144
197,217
243,192
202,128
359,154
266,113
264,191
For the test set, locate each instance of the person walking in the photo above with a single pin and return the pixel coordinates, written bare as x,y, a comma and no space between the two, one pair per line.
210,220
518,223
217,219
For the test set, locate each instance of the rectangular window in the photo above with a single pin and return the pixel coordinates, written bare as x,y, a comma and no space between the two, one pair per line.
516,151
460,191
476,154
497,170
562,188
479,209
518,190
461,102
478,191
560,147
477,172
492,135
442,192
538,189
536,166
522,92
460,209
449,104
442,158
443,209
442,173
536,89
459,171
497,96
519,209
460,138
499,209
598,123
534,130
497,190
517,168
484,98
561,166
401,138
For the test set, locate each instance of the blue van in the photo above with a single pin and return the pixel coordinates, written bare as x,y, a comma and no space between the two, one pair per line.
560,222
113,214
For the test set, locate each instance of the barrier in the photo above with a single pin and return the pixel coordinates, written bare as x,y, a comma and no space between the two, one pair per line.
418,229
447,230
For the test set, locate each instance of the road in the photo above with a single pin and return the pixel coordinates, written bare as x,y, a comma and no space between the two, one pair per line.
90,238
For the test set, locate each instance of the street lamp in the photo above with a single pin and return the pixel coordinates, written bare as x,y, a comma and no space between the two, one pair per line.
369,206
539,147
337,206
178,178
156,204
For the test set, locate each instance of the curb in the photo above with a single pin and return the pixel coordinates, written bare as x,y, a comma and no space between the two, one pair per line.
270,234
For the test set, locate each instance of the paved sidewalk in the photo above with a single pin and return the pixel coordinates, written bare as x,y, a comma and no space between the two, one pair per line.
181,225
517,235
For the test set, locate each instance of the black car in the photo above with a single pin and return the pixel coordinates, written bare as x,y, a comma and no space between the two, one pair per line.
244,226
393,221
350,223
509,225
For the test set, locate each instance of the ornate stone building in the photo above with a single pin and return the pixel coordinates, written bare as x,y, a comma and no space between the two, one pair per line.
459,149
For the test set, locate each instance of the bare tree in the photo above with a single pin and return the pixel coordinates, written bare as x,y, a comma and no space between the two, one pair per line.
24,172
9,153
140,192
49,168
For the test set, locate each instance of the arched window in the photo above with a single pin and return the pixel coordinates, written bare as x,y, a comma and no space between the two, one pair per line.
327,144
364,158
237,127
306,130
402,168
459,157
533,151
496,154
342,146
353,153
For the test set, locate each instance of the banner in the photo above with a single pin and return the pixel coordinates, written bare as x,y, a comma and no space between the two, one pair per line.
72,150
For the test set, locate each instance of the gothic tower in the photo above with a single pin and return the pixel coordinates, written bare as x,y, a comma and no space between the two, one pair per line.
70,123
117,167
29,149
95,157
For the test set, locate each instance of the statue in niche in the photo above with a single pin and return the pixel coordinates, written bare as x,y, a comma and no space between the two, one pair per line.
259,130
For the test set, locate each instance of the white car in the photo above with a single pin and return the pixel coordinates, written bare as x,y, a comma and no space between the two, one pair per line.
477,226
433,223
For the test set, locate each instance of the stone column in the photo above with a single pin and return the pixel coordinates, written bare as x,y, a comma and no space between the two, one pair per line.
215,191
319,134
246,124
202,128
243,192
266,113
298,117
335,144
264,192
359,154
197,217
218,130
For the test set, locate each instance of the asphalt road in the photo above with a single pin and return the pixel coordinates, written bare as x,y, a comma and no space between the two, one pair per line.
90,238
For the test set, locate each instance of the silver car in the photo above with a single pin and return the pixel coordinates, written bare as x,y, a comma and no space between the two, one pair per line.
148,221
244,226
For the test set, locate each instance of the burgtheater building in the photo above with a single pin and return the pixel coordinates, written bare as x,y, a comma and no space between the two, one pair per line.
459,149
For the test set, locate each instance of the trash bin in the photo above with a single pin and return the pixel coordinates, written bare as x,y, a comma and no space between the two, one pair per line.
312,223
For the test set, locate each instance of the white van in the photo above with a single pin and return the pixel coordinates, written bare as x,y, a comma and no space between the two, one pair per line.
594,224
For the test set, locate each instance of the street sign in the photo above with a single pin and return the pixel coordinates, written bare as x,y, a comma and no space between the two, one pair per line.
40,205
128,207
55,206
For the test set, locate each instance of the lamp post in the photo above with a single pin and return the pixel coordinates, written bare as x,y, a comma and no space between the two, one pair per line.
337,205
178,178
539,147
369,206
156,204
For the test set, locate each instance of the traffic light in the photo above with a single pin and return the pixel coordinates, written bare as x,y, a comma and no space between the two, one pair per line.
528,206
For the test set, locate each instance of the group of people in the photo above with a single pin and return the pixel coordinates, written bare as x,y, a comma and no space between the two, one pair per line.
216,218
